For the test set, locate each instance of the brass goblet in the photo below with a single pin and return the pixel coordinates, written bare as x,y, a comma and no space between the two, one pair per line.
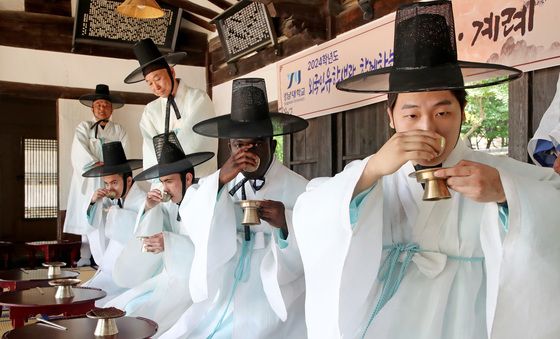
64,287
106,324
54,268
435,187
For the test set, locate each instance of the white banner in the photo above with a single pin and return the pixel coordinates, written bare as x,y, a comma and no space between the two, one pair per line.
519,33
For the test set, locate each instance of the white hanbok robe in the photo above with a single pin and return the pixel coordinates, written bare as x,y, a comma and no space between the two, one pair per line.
86,151
114,228
158,282
194,106
448,290
549,129
269,304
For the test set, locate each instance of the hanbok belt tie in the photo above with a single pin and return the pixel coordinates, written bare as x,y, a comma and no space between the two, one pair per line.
430,263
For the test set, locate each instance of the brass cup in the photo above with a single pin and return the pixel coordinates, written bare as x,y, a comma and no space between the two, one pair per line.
54,268
435,188
165,197
250,212
250,169
111,195
141,238
64,287
105,327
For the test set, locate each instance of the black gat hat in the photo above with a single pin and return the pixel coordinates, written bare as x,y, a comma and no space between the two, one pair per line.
425,56
250,116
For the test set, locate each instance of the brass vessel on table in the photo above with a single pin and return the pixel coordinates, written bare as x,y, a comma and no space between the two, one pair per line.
54,268
64,287
106,324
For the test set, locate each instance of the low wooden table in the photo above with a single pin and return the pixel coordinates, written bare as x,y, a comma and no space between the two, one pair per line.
129,328
29,303
52,250
20,279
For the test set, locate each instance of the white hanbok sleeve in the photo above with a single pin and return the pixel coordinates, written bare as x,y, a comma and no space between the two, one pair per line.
148,131
331,248
212,229
133,265
82,155
522,269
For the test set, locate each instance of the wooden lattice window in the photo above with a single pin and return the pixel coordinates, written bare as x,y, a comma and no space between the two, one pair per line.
41,178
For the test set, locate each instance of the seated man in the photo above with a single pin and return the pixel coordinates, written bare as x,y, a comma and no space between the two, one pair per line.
112,214
391,265
246,283
158,265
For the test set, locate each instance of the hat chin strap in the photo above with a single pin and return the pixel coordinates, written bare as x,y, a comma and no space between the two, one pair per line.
170,102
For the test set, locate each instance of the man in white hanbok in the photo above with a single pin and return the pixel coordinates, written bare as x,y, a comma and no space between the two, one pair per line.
157,266
86,153
190,105
482,264
544,147
112,214
246,281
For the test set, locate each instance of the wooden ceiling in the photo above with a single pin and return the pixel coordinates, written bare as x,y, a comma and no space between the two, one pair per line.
299,24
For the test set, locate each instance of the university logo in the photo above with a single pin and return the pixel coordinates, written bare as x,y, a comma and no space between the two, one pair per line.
294,78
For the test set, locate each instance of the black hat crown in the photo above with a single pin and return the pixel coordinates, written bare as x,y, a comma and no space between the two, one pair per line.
171,158
248,100
102,90
150,59
424,39
146,52
113,154
168,149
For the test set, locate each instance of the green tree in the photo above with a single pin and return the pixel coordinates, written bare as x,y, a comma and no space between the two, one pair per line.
487,115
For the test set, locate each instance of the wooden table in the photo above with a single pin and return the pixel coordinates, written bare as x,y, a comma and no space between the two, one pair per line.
19,279
129,328
52,249
28,303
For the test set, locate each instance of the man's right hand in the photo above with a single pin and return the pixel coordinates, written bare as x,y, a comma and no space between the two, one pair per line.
153,198
416,145
98,195
236,163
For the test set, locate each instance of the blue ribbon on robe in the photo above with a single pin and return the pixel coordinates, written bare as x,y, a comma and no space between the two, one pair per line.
391,276
241,274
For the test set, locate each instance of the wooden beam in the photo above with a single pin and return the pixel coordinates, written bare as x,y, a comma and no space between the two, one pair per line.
23,90
54,33
352,16
198,21
54,7
223,4
192,7
267,56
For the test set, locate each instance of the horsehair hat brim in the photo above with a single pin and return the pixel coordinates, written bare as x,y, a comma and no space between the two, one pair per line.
425,56
104,170
224,127
418,80
160,170
172,59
